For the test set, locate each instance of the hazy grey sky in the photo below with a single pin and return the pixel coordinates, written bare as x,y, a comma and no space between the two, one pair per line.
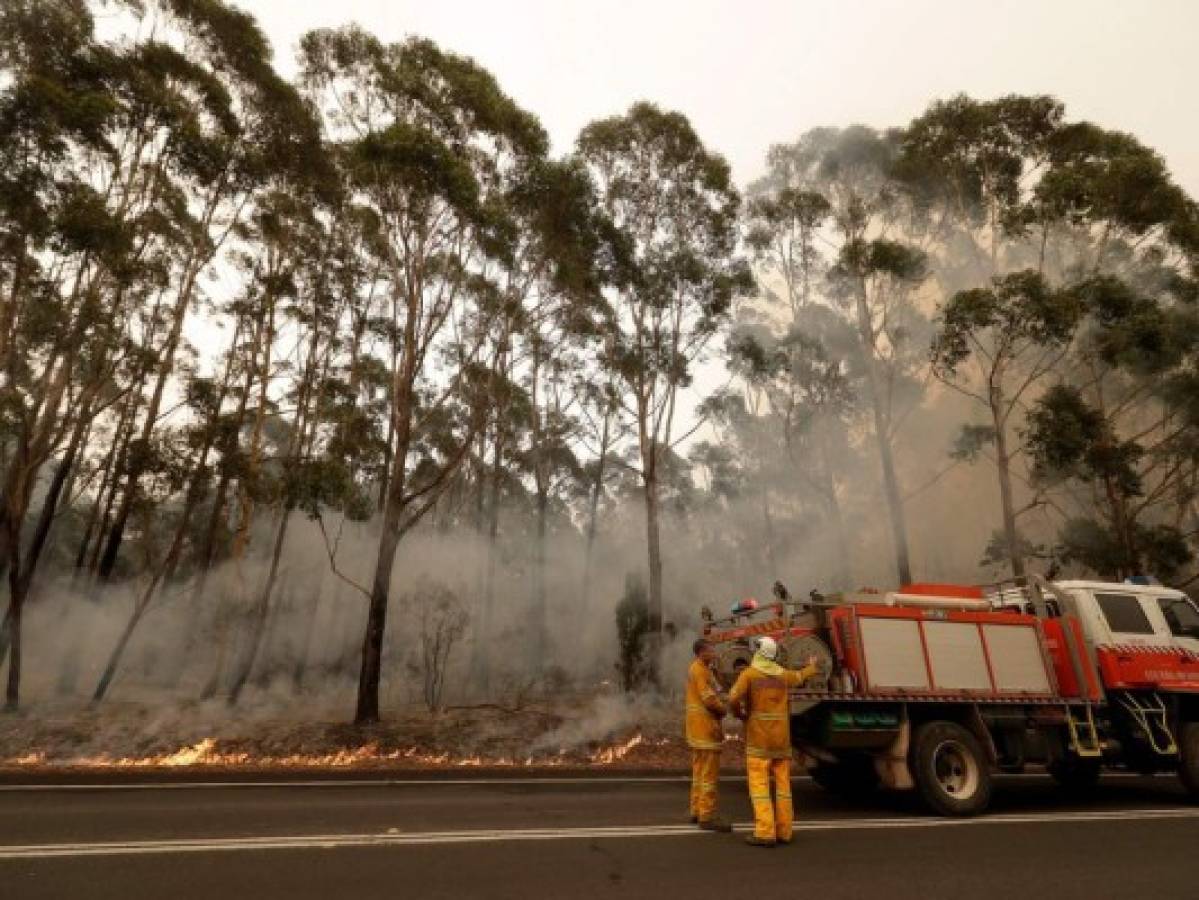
751,74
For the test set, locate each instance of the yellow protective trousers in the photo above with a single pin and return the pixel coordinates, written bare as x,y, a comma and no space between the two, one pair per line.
773,819
705,769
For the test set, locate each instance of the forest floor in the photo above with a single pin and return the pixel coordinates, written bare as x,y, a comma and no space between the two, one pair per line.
575,733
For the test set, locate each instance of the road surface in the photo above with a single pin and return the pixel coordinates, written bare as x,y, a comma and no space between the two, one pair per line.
367,836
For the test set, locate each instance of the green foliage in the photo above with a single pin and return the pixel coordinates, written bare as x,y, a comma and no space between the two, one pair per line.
971,440
1066,434
1019,312
973,156
861,259
424,167
997,553
632,635
1100,175
676,206
1160,550
1132,331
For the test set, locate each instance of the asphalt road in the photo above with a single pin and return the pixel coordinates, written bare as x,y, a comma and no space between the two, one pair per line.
579,838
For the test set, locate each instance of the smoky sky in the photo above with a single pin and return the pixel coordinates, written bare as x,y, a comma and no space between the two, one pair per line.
753,74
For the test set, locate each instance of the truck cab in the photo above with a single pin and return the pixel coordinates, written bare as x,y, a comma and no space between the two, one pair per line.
1135,615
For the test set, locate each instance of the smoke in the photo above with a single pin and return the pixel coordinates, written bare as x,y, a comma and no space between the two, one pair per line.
716,550
606,717
714,553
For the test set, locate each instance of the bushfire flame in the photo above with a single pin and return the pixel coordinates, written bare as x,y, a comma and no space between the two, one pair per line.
208,752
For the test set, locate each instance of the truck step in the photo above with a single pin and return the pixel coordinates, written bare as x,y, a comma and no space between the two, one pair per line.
1084,735
1151,717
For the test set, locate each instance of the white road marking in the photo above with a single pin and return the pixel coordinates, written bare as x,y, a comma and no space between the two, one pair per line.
394,839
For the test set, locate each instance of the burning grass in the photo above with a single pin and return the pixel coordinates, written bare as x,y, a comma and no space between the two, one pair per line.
604,733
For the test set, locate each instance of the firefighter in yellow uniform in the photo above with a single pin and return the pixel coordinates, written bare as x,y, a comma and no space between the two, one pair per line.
705,709
760,697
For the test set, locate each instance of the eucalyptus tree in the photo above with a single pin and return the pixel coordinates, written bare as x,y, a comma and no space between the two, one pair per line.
675,206
306,475
971,167
427,138
603,428
225,124
789,348
873,275
807,398
62,243
566,253
1039,209
1130,442
1013,335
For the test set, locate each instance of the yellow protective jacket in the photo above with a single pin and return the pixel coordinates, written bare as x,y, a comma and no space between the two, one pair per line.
760,693
705,709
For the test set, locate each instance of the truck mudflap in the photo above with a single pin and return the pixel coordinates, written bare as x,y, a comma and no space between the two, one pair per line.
892,767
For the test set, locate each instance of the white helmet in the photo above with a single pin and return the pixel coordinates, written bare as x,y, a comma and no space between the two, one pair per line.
766,647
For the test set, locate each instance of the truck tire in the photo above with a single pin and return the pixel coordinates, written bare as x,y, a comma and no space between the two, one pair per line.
1078,777
853,778
1188,763
950,769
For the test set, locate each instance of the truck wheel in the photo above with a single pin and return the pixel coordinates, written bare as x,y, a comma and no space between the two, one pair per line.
950,769
852,778
1188,765
1078,776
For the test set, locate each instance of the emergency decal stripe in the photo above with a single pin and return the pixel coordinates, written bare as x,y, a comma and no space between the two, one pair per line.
1150,650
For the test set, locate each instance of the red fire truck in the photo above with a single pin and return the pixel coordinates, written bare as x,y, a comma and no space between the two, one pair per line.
937,687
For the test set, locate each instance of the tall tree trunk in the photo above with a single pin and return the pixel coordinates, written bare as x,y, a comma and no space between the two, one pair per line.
844,570
390,458
107,474
882,433
162,572
45,522
261,610
1124,529
121,464
541,604
1003,464
300,446
264,337
593,501
481,664
654,546
167,365
34,446
376,617
403,384
16,604
768,535
4,635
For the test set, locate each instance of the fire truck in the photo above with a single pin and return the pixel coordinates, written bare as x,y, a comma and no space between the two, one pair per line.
938,687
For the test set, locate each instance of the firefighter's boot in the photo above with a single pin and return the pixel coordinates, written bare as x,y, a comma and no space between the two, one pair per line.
754,841
715,824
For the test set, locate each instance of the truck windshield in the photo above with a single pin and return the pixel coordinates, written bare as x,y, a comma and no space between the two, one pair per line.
1181,616
1124,613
